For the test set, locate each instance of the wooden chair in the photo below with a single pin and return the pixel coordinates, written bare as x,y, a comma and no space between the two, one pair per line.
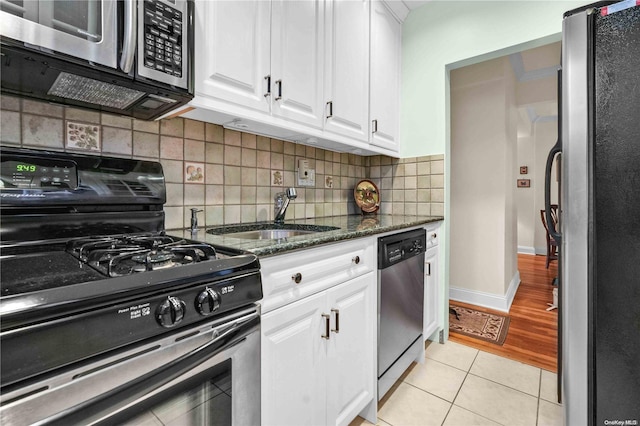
552,244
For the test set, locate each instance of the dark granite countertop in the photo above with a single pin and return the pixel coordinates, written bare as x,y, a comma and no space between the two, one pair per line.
349,227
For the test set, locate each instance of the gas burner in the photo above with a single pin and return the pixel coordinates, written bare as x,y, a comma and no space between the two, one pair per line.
128,254
152,260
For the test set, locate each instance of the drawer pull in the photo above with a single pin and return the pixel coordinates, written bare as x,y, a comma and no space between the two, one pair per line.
297,278
356,260
337,312
428,265
327,326
434,235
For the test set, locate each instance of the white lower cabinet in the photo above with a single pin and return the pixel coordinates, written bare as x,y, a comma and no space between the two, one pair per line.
318,356
431,293
432,311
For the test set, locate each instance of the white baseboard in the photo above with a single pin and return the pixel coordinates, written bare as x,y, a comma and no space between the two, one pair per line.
532,250
526,250
487,300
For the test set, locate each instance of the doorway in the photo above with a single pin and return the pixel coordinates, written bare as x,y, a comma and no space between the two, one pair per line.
503,123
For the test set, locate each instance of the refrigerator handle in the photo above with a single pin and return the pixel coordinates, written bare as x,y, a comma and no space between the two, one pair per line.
557,148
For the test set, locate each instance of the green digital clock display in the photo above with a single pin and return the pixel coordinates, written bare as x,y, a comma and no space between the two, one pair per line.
26,168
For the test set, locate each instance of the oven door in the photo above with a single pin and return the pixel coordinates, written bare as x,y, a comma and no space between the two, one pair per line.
84,29
206,375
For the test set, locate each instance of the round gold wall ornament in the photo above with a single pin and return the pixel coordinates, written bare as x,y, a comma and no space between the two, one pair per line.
367,196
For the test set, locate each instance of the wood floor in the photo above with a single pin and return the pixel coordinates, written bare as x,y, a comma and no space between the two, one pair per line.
533,331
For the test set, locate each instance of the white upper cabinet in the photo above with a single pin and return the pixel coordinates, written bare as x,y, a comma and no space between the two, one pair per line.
386,46
347,68
322,71
297,61
233,51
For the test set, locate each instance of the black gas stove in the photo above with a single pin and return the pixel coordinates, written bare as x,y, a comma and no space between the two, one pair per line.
87,267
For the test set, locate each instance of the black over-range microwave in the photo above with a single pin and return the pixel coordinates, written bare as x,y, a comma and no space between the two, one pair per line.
129,57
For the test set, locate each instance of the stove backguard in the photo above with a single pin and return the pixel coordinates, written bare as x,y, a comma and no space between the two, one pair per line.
47,195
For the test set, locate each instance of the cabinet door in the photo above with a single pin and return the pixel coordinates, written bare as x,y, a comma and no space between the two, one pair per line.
351,372
431,293
233,51
347,68
386,44
294,357
297,60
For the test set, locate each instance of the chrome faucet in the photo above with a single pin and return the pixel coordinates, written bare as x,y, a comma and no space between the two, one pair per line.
194,219
282,202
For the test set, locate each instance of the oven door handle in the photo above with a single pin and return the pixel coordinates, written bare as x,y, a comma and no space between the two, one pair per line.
103,406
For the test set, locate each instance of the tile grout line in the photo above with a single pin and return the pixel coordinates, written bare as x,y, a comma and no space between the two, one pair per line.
539,394
448,365
462,384
502,384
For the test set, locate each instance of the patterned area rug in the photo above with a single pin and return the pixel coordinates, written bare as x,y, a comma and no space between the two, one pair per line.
488,327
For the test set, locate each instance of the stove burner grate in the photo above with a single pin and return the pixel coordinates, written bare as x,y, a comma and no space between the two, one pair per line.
128,254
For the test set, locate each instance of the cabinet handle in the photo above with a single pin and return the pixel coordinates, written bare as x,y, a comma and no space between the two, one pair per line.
279,84
268,78
374,126
434,235
337,312
356,260
428,265
297,278
330,109
327,326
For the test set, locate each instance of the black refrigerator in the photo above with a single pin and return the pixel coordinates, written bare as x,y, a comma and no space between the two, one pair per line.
600,215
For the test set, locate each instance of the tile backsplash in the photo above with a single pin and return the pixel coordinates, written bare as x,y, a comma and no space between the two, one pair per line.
232,176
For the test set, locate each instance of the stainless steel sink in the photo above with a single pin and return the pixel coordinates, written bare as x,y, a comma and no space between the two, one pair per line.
268,234
268,231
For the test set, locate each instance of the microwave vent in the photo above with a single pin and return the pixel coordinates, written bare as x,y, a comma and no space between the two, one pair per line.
92,91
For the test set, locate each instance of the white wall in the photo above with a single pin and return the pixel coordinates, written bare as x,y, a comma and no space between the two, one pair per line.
452,34
525,196
532,152
483,154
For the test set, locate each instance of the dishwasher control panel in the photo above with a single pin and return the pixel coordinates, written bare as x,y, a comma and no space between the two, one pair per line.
398,247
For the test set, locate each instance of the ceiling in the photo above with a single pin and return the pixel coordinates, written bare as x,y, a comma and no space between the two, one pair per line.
536,75
414,4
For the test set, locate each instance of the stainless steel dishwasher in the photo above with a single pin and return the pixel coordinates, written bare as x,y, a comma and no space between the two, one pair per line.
400,304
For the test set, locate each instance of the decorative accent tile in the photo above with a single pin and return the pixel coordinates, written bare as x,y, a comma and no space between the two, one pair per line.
328,182
277,178
194,172
82,136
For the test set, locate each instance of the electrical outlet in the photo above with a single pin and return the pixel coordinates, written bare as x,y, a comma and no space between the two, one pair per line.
303,169
310,180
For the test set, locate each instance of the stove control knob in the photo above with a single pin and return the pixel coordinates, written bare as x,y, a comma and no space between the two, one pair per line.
170,312
208,301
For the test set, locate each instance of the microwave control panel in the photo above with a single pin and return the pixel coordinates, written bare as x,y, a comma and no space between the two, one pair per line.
163,26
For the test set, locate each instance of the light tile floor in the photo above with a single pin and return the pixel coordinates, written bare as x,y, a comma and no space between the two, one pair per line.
461,386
